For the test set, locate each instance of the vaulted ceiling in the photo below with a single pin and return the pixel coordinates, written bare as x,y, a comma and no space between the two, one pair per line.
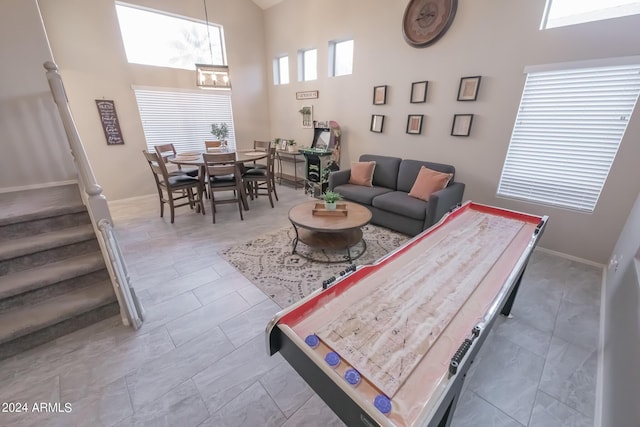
266,4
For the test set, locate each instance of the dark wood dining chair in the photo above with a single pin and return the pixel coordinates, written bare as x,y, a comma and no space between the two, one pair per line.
262,181
223,174
169,150
260,146
172,188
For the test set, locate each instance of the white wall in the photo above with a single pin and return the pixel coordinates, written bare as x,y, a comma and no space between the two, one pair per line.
34,148
493,38
87,46
621,346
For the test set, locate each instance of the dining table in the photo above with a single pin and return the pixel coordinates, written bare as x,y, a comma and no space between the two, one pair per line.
194,158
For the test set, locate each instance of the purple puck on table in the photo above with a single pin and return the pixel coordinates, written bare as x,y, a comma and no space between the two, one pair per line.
352,377
312,340
332,359
382,403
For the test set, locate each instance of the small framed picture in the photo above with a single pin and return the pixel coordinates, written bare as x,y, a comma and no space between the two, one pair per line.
419,92
377,123
283,145
414,124
380,95
461,124
468,90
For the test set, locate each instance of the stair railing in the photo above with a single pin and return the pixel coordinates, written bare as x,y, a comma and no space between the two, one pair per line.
131,311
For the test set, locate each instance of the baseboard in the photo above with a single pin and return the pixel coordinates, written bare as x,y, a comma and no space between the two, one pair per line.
37,186
570,257
597,416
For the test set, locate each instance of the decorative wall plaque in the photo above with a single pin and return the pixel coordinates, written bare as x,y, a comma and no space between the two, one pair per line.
109,120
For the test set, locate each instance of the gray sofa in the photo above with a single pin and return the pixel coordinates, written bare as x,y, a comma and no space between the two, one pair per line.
388,198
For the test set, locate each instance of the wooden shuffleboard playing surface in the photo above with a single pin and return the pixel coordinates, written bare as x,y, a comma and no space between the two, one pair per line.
393,320
395,325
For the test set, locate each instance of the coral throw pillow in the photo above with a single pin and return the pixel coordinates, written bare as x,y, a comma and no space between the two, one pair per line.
362,173
427,182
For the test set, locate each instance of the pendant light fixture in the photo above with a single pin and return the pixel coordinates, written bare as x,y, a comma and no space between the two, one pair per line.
212,76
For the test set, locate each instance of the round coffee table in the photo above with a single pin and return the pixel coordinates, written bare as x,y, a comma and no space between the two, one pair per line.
329,232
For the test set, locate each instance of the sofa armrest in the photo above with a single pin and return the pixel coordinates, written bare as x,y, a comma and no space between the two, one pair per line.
441,201
340,177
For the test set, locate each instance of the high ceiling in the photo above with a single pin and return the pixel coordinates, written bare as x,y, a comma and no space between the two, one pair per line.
266,4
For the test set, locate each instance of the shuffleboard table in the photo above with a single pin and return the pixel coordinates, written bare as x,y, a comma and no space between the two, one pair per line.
389,344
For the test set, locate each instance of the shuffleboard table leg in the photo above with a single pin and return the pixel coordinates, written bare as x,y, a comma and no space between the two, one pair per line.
506,310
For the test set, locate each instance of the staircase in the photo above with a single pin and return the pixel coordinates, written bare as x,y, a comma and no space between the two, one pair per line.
53,278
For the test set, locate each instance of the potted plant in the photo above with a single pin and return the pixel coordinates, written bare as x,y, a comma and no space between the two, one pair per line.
330,199
291,145
220,131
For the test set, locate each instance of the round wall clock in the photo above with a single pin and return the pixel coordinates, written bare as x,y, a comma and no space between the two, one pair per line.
425,21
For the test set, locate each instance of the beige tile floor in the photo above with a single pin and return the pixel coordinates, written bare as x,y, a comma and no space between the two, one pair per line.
200,357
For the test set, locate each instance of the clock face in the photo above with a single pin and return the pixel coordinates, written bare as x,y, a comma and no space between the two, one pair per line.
425,21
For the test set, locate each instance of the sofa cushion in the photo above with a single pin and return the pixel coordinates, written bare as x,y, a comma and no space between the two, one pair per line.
400,203
428,182
386,170
359,193
409,169
362,173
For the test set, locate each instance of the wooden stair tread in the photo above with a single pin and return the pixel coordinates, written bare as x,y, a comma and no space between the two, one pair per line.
48,274
53,239
25,320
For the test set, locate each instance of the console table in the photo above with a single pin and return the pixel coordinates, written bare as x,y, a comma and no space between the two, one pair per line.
293,157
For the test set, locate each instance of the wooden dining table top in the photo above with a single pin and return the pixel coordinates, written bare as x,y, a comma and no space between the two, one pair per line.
194,158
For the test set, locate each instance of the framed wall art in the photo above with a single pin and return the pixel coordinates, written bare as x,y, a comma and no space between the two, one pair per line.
377,123
110,122
461,124
414,124
380,95
468,90
419,92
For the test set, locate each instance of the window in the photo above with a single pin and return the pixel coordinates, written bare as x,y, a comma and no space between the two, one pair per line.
281,70
183,118
560,13
307,65
567,132
168,41
341,58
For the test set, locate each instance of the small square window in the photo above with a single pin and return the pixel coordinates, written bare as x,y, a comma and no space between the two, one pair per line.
341,58
281,70
307,65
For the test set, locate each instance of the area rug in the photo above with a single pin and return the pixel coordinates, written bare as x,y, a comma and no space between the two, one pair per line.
268,263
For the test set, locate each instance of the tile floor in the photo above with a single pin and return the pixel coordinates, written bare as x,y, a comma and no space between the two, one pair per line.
200,357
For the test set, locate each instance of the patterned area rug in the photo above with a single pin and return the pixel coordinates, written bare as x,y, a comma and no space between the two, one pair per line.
268,263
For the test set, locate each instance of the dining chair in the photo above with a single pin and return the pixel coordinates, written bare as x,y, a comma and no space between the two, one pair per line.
168,150
172,188
212,145
260,146
262,179
223,174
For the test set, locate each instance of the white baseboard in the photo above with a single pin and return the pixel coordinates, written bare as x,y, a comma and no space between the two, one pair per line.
37,186
597,416
570,257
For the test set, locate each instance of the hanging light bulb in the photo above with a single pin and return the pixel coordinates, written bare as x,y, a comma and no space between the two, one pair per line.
212,76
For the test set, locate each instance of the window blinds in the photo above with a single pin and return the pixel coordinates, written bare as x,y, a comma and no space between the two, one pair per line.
567,132
183,118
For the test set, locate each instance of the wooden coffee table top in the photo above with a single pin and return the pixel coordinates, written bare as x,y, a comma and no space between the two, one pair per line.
302,216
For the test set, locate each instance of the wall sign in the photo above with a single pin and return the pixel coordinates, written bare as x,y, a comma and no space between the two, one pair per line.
109,120
309,94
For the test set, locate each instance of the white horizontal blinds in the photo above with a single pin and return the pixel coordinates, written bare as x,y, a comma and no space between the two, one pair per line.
183,118
567,132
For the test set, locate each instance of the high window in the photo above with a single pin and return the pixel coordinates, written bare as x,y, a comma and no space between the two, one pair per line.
183,117
568,129
154,38
559,13
307,65
340,58
281,70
